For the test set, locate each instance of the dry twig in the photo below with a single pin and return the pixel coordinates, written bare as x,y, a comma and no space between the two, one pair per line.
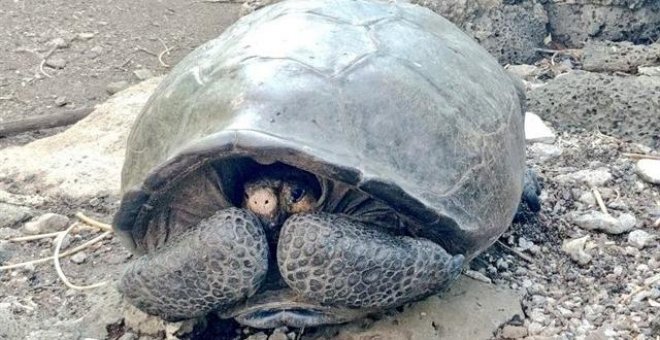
93,222
58,267
102,226
34,237
641,156
43,61
60,255
599,200
140,48
521,255
165,51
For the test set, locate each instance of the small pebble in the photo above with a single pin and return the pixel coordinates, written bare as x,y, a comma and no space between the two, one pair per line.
640,238
143,74
56,62
7,233
11,214
523,71
524,244
7,250
258,336
61,101
514,332
116,86
587,198
544,152
575,249
535,328
128,336
95,51
59,43
46,223
278,336
597,177
85,36
597,220
79,258
649,170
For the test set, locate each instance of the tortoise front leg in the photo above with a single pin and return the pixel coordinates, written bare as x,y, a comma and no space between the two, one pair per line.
336,261
221,261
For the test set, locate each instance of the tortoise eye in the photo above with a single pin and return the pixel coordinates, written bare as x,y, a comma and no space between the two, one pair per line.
297,194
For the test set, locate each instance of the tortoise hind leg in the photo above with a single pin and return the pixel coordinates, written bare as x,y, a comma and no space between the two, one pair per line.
209,267
336,261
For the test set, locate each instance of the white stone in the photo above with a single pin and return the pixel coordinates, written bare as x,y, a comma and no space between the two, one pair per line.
651,71
649,170
588,198
523,71
79,257
640,239
86,159
514,332
535,328
575,249
595,177
544,152
627,221
536,130
524,244
597,220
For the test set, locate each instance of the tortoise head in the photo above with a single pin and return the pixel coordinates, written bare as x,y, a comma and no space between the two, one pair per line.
276,194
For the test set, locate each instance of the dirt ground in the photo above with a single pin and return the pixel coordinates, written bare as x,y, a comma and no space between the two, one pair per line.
64,55
90,45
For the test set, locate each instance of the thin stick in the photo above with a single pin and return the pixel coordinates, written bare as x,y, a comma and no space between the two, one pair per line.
41,68
58,268
61,255
475,275
521,255
93,222
569,51
43,61
34,237
640,156
599,199
140,48
43,122
160,55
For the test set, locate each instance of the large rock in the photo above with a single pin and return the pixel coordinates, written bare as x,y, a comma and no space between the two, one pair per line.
83,161
599,56
509,30
626,107
511,33
470,310
573,22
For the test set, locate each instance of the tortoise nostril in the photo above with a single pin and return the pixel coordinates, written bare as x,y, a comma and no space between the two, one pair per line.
266,202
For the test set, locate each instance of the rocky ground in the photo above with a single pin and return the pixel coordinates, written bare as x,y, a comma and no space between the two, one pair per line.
587,267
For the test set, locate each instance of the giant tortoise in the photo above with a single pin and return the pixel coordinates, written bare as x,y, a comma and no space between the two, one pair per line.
318,161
